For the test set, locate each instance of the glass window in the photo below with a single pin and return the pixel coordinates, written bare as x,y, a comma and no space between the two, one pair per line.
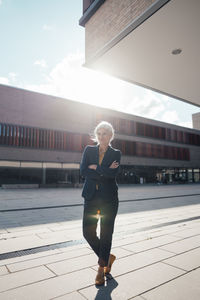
180,136
140,129
22,132
4,130
156,130
168,134
11,130
8,128
128,148
149,152
196,177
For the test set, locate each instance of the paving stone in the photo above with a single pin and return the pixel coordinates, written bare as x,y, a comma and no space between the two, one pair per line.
56,239
124,241
119,252
139,260
134,227
48,259
188,232
27,242
183,245
194,224
171,230
54,287
74,264
66,225
182,288
54,235
19,244
72,296
150,243
3,270
54,226
23,233
133,283
187,261
14,280
26,228
74,247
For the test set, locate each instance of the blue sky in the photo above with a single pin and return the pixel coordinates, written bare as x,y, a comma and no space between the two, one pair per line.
42,49
36,30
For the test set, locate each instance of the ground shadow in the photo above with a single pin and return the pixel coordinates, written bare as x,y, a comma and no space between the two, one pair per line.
104,292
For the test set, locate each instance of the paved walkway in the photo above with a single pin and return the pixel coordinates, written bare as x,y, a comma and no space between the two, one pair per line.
156,241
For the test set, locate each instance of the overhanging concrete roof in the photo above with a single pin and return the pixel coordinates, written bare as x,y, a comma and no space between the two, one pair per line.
142,53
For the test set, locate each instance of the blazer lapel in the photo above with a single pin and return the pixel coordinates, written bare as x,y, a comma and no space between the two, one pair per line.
97,154
106,155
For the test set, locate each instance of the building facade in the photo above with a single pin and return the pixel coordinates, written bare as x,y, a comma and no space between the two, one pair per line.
151,43
196,120
42,139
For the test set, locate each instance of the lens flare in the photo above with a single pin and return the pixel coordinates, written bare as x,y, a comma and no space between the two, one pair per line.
97,215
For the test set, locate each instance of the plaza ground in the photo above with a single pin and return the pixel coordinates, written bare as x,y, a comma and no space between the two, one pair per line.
157,243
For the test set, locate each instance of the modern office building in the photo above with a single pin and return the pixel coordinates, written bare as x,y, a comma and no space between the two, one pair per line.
196,120
152,43
42,138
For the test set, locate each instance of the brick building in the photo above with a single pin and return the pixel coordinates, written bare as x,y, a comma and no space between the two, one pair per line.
42,138
196,121
152,43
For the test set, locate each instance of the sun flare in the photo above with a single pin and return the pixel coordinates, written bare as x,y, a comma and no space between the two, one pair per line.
103,90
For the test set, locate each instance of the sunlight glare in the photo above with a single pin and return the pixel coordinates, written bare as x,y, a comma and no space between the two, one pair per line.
103,90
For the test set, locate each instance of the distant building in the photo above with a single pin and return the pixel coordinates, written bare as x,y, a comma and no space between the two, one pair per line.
42,138
196,120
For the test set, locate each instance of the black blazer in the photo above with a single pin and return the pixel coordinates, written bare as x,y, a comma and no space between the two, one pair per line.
104,176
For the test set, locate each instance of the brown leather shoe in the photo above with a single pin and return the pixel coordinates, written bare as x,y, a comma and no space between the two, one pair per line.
100,278
110,262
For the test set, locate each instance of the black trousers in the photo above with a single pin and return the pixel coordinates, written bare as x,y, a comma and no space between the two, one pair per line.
108,211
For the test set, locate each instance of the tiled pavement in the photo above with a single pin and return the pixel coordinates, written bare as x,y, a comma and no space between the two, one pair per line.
157,245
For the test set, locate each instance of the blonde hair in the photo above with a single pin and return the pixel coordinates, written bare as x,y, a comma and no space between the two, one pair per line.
105,125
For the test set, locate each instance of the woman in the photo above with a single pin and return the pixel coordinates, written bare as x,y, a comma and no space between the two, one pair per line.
99,167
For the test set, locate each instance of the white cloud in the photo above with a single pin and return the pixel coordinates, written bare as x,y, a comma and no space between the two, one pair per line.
4,80
170,116
47,27
68,79
41,62
185,124
145,103
0,2
12,76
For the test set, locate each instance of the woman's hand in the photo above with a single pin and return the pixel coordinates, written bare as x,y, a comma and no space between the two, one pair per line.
114,165
93,167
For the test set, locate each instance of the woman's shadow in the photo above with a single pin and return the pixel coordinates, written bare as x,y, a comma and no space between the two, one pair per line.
104,291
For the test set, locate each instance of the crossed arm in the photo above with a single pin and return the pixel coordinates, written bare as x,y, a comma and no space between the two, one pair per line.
94,171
